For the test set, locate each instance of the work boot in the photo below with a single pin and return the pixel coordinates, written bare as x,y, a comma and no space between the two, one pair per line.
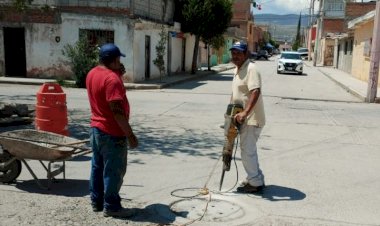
120,213
247,188
96,207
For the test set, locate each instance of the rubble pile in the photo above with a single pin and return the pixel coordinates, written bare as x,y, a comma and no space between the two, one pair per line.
16,114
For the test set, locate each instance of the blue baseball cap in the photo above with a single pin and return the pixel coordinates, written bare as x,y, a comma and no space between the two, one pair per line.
241,46
110,51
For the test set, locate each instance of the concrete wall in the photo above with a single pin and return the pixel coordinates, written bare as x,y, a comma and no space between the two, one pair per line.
176,54
363,35
159,10
344,61
328,54
190,43
175,50
44,53
141,31
44,57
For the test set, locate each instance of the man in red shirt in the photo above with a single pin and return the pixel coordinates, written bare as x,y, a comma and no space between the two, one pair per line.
110,131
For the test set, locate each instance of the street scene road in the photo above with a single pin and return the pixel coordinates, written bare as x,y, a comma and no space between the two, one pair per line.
319,152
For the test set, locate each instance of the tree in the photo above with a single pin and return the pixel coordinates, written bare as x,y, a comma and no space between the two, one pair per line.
82,58
205,19
160,52
297,42
216,42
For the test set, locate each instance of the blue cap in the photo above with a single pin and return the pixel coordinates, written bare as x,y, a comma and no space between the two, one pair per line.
241,46
109,51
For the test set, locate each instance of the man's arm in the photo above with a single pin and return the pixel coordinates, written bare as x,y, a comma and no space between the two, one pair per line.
253,97
119,115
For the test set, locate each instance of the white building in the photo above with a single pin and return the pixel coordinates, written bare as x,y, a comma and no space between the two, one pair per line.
32,41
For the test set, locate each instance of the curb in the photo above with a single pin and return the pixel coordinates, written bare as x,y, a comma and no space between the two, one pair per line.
176,79
353,92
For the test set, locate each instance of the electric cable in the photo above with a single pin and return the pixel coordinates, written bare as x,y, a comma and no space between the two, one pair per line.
205,191
199,190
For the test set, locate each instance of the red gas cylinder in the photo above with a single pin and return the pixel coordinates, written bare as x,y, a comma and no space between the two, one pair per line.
51,110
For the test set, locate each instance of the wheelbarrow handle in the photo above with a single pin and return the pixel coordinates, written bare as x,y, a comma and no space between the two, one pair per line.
71,144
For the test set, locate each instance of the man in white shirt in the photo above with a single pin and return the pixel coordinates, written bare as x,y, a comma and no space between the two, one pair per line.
246,90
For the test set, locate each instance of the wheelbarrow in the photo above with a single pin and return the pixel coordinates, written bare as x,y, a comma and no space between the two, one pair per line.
19,145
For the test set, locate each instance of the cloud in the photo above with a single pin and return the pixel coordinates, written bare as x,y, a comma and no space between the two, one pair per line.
288,6
285,6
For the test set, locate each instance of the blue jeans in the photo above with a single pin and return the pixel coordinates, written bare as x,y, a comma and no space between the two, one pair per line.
108,167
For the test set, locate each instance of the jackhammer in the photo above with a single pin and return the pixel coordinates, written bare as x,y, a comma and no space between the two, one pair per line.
231,128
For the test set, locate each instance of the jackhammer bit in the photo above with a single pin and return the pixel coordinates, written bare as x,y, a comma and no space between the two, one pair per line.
230,133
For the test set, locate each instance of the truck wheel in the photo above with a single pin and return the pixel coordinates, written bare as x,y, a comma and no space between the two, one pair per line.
10,172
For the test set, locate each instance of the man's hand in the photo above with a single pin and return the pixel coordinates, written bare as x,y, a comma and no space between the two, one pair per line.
132,141
241,117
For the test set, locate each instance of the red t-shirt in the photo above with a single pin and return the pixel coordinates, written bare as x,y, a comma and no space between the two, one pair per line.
103,86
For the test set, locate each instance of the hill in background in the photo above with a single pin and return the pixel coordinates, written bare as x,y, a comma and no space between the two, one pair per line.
282,27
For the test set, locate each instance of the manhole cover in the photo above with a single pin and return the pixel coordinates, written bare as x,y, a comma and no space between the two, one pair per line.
217,210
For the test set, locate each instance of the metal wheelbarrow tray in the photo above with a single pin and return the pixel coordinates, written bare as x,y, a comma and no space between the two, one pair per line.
18,145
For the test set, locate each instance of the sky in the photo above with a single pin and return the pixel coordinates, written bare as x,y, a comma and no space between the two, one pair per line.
286,6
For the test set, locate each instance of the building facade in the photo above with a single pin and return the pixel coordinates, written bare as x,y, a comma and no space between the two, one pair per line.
362,28
32,40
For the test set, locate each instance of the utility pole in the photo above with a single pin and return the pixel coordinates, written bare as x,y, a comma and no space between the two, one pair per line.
311,13
375,57
318,32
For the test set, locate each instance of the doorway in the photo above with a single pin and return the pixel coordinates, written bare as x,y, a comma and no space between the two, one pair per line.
147,57
14,52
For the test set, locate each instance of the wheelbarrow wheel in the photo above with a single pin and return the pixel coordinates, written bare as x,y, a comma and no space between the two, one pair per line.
12,171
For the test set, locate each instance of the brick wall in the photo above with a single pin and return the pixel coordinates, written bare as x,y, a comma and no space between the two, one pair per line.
333,26
356,9
30,16
241,10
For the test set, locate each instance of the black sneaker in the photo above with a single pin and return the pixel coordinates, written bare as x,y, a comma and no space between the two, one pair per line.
247,188
96,207
120,213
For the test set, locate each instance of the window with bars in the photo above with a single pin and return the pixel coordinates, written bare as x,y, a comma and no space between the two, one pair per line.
97,37
334,8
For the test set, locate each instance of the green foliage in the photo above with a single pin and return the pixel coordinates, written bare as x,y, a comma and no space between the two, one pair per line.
274,43
297,42
65,83
160,52
21,5
45,8
216,42
205,19
83,57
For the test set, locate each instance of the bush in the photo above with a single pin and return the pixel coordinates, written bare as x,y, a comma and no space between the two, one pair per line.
160,51
83,57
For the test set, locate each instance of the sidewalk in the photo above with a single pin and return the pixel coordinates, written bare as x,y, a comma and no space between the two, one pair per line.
150,84
353,85
343,79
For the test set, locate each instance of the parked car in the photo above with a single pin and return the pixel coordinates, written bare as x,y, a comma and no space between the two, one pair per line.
290,62
262,54
253,55
304,52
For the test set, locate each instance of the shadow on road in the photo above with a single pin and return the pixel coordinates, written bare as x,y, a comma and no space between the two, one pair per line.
279,193
157,213
169,142
68,187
